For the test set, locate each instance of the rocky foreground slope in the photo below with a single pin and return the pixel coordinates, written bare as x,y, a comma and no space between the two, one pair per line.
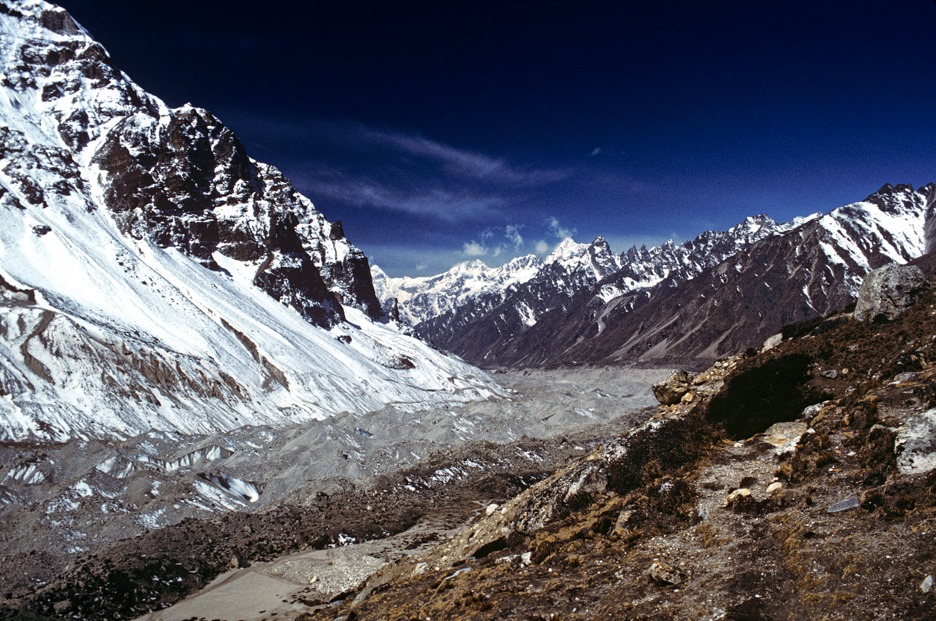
795,483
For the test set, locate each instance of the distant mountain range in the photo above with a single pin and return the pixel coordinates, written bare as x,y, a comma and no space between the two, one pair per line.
686,303
154,276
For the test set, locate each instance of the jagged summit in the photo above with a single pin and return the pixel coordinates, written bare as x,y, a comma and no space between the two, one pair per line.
153,275
474,283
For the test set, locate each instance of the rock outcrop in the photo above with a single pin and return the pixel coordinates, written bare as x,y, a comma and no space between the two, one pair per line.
673,388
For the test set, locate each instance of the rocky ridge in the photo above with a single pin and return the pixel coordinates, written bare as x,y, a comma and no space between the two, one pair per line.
496,315
474,286
806,272
692,303
419,299
492,329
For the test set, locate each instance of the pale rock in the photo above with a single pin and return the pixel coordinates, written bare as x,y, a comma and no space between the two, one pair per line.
737,496
671,390
916,443
772,342
887,292
785,435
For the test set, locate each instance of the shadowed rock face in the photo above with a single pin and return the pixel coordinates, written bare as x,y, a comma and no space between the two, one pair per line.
759,397
188,183
178,178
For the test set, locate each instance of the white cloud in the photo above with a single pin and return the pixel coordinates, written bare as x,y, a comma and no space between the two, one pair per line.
541,247
596,151
461,162
512,233
558,231
474,249
490,241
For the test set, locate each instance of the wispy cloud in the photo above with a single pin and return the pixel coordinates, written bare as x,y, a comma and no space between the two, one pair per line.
512,233
474,249
468,203
461,162
494,242
409,150
403,172
557,230
449,205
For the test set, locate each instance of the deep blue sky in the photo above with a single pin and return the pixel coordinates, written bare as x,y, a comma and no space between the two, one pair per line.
439,131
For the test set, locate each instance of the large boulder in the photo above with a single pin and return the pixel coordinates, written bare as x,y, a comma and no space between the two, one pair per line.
916,444
671,390
887,292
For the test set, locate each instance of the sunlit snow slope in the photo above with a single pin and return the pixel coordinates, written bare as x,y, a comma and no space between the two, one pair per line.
153,276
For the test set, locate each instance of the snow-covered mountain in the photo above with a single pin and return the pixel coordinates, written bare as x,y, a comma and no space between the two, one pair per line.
714,295
647,267
474,285
483,328
425,297
811,270
475,288
152,275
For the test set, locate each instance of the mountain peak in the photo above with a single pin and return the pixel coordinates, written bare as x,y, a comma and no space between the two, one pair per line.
173,282
567,249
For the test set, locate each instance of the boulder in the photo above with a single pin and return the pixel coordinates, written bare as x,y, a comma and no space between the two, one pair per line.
887,292
671,390
667,573
916,444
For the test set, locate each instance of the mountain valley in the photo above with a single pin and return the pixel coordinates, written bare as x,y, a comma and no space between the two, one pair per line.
214,406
